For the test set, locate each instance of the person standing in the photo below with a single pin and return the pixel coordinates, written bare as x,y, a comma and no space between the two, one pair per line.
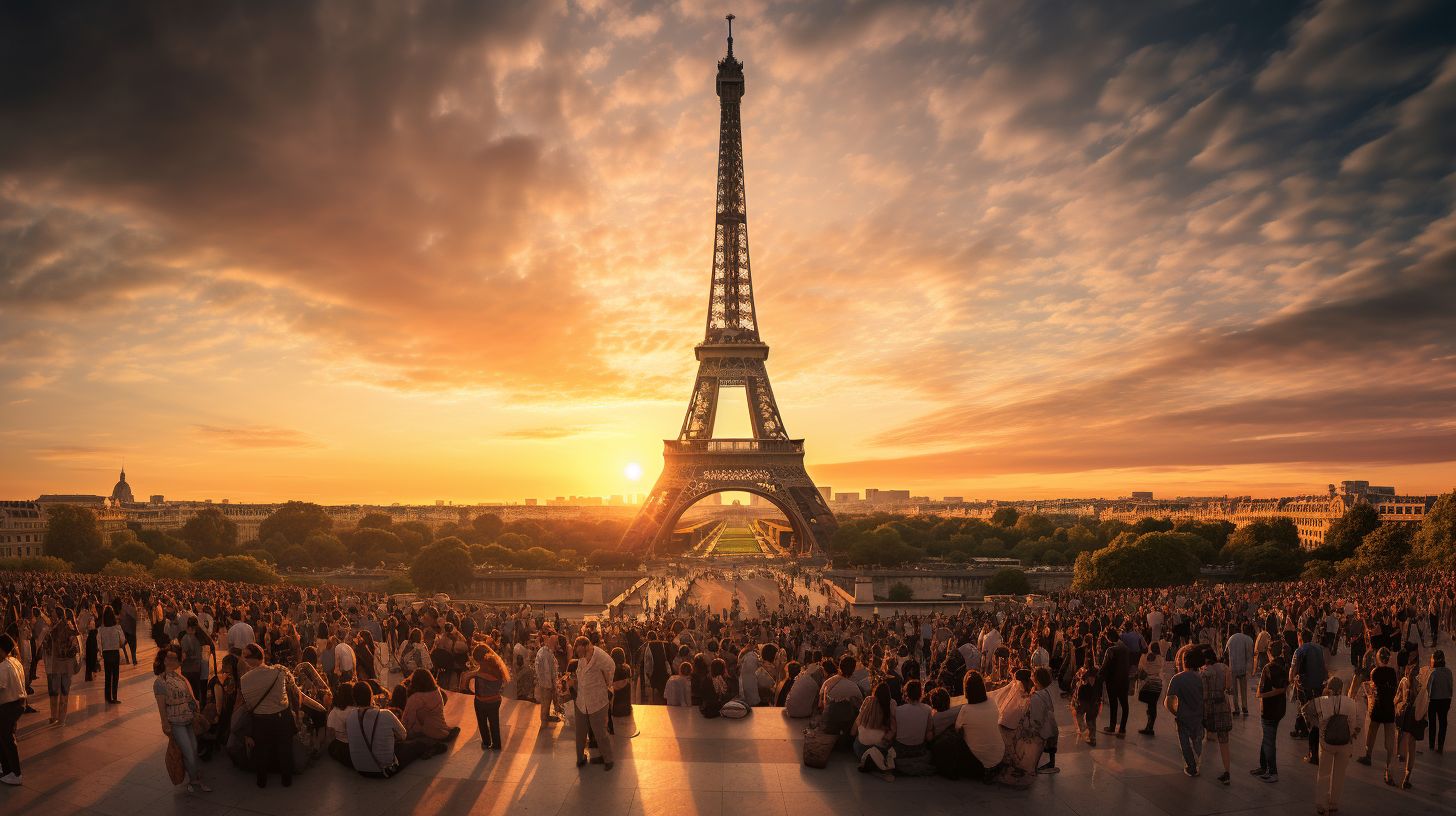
594,672
1336,718
1411,706
178,708
1438,688
1273,698
1185,702
546,673
1116,670
61,650
486,683
1240,651
12,705
110,638
267,692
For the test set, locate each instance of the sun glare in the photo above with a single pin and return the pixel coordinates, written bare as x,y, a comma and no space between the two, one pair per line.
632,471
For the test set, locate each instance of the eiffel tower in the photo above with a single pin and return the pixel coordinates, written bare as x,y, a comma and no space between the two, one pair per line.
770,464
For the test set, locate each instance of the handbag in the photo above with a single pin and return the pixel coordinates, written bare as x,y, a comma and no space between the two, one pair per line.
1150,691
817,747
176,768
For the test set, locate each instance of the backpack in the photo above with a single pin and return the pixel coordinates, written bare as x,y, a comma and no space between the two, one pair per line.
733,710
1336,729
839,717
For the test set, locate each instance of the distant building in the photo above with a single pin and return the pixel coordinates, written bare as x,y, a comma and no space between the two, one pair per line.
954,500
78,499
156,498
530,502
1143,495
871,494
22,529
846,497
121,493
826,492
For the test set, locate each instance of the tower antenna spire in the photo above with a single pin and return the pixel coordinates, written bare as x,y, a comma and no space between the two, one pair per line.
730,19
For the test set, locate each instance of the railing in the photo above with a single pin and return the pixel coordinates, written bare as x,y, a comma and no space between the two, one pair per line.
733,446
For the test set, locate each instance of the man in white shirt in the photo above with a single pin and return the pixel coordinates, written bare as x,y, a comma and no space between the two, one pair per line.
239,635
546,672
594,671
1240,648
1155,624
990,639
12,705
344,660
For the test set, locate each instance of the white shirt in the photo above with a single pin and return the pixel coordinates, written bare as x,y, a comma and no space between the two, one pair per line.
239,635
545,667
343,658
593,680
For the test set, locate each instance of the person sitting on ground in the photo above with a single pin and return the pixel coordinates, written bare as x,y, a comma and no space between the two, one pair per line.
424,711
679,688
718,691
336,729
799,692
977,723
874,733
378,742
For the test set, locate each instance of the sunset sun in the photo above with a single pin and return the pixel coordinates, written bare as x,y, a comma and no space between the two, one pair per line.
632,471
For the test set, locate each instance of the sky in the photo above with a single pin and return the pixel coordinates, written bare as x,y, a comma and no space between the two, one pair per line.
378,252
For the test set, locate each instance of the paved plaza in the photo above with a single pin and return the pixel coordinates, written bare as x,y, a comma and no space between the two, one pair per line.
109,760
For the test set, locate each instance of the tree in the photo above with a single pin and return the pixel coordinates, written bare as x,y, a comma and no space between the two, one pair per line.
372,545
210,533
242,568
163,543
1346,533
488,526
125,569
1004,517
444,565
296,521
121,537
262,555
398,585
135,552
33,563
1034,525
71,533
376,521
482,554
326,550
1270,562
1434,543
1385,548
900,591
170,566
295,558
609,559
1148,560
536,558
1279,532
1008,582
513,541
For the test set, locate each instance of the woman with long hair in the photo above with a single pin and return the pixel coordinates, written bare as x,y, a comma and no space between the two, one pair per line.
486,682
874,733
177,707
621,703
424,712
1411,706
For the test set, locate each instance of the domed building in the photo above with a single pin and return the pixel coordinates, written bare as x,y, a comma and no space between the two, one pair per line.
121,494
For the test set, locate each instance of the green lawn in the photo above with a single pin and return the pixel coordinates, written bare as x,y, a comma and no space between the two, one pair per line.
737,541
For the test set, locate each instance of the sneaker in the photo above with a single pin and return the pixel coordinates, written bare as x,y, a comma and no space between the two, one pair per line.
553,719
1109,730
1048,769
1270,777
1190,772
10,779
1259,772
1364,760
1224,777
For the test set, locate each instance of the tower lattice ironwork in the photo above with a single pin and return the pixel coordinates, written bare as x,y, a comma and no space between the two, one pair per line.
732,354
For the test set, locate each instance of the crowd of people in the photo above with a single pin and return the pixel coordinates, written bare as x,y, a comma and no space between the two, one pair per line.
275,676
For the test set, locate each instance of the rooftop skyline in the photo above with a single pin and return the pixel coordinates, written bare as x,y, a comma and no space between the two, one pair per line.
459,251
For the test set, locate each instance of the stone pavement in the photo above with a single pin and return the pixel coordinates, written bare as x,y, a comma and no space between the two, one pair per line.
108,760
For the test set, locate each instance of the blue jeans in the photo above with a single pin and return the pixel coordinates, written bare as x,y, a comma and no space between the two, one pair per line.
187,741
1190,741
1266,748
